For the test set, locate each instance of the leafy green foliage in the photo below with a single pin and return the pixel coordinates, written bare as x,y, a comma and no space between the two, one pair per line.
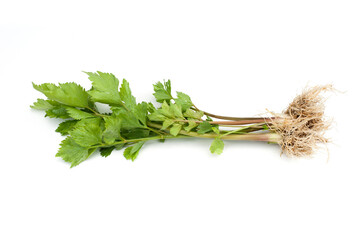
193,114
204,127
72,152
42,104
57,112
163,91
105,88
191,125
175,129
129,119
217,146
216,130
183,100
129,124
141,112
66,126
70,94
88,135
167,123
78,114
132,152
105,152
126,96
112,129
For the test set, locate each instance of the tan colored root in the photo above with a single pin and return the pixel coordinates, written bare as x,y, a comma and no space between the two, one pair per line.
303,124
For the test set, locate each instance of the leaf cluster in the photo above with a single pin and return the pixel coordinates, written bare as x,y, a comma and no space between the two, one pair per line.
129,124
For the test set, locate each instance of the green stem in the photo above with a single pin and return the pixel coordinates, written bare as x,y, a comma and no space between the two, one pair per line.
239,122
155,131
138,140
265,137
240,129
232,118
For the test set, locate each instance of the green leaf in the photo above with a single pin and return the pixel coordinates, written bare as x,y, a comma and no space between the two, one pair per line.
126,96
90,121
105,152
191,125
129,120
42,104
87,135
204,127
132,152
105,88
57,112
183,100
141,111
70,94
112,129
165,110
135,133
176,110
78,114
193,114
175,129
71,152
163,92
217,146
66,126
157,116
215,129
151,107
119,146
167,123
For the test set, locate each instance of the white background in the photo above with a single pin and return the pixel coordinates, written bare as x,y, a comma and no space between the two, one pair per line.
232,58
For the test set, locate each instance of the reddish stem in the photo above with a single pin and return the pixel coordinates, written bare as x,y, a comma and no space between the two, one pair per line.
232,118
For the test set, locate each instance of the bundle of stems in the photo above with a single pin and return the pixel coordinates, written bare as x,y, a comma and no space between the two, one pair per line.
298,129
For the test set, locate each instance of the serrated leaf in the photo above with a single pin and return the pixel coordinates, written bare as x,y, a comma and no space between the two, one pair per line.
141,111
191,125
42,104
78,114
112,129
163,91
204,127
126,96
57,112
129,120
70,93
157,116
217,146
193,114
135,133
167,123
151,107
105,152
89,121
183,100
165,110
175,129
71,152
105,88
132,152
65,127
176,110
119,146
88,135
